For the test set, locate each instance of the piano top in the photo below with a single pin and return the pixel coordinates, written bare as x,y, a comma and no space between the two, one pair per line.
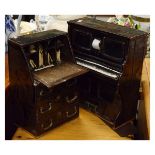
108,27
58,74
35,37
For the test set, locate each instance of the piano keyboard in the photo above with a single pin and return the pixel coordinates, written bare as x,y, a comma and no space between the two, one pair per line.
91,65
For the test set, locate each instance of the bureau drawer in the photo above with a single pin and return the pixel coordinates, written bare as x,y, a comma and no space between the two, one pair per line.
43,92
53,93
69,86
71,93
48,122
71,98
60,94
46,108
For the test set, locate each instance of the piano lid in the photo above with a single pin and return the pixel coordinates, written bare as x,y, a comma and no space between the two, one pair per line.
108,27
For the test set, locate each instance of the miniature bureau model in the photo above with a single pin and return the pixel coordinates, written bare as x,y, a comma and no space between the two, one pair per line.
44,80
114,54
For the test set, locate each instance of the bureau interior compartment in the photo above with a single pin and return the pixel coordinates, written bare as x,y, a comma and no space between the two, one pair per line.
47,53
51,61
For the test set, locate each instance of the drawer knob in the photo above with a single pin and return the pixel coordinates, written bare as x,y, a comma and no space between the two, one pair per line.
71,100
43,110
48,126
72,114
41,93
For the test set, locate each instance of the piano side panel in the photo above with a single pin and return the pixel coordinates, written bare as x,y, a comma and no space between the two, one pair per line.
130,81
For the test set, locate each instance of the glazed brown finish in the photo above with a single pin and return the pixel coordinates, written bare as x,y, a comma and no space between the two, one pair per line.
113,100
37,37
43,96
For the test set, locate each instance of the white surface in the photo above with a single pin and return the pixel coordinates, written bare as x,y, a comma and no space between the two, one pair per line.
57,24
60,22
96,44
25,27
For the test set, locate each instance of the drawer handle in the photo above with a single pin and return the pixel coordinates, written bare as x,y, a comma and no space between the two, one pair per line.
42,110
47,127
41,93
72,99
72,114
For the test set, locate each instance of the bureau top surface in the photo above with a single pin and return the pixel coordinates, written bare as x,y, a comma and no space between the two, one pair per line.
108,27
35,37
55,75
